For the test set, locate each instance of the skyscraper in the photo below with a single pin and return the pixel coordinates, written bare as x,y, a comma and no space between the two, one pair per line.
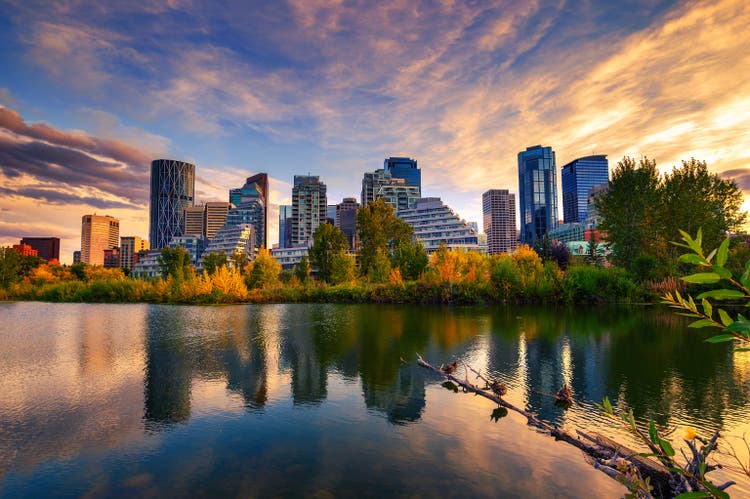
285,225
255,190
499,209
206,220
346,219
172,190
395,191
537,192
405,168
129,248
98,233
309,208
578,178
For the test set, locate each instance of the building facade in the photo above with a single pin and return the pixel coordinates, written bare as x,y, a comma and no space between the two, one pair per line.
232,239
255,190
172,191
112,258
435,223
205,220
285,225
499,214
537,192
148,264
98,233
578,178
195,245
346,220
405,168
129,248
48,248
395,191
25,250
289,257
309,208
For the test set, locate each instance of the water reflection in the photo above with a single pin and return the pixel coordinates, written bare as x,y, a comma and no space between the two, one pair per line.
93,378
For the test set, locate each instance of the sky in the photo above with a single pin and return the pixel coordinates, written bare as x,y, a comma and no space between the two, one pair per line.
91,92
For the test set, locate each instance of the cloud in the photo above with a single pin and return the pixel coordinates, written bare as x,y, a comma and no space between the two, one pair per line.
740,176
57,197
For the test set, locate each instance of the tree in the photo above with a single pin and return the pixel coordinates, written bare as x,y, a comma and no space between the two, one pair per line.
10,266
380,231
263,271
694,198
380,268
78,270
629,210
560,254
302,269
343,269
410,258
214,261
239,261
175,262
328,241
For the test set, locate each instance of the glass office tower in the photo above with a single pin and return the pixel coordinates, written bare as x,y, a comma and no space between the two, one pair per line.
537,192
172,190
405,168
578,178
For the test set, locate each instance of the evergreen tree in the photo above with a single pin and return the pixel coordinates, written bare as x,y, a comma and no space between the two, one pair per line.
302,270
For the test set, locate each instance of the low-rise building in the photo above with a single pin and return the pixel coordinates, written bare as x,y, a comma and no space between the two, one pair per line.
435,223
289,257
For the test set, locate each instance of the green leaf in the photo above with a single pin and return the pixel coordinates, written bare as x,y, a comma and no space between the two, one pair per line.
720,494
722,294
702,278
707,308
652,435
720,338
701,323
698,494
607,405
723,273
693,259
666,447
742,349
739,326
725,318
711,256
721,255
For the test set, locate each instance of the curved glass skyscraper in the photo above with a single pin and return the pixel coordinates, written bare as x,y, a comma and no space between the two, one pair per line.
172,190
537,192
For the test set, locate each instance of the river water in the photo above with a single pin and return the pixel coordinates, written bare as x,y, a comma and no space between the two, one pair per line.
315,400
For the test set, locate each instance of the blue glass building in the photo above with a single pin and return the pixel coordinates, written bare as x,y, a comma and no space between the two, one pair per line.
172,190
537,192
405,168
253,196
578,178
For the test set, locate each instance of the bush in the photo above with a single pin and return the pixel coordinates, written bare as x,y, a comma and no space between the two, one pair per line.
587,284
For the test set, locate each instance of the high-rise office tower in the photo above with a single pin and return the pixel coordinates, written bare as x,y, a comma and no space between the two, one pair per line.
537,192
255,190
309,208
172,190
331,214
346,219
48,248
578,178
129,248
395,191
98,233
206,220
285,225
405,168
499,209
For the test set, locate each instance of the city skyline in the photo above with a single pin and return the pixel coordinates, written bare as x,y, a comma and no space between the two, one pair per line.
331,90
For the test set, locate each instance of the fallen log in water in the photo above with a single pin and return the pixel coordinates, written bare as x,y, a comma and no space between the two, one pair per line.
607,455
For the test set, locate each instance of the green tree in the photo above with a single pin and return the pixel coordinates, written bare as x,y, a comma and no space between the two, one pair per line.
380,268
343,269
410,258
175,262
380,231
240,261
328,241
214,261
694,198
10,266
629,210
78,270
302,269
264,271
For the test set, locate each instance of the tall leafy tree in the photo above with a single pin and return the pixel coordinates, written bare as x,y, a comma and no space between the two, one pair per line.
10,266
264,270
302,269
380,233
629,210
328,241
411,259
694,198
175,262
214,261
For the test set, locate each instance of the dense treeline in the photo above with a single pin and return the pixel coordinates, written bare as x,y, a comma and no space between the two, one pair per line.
451,276
640,212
